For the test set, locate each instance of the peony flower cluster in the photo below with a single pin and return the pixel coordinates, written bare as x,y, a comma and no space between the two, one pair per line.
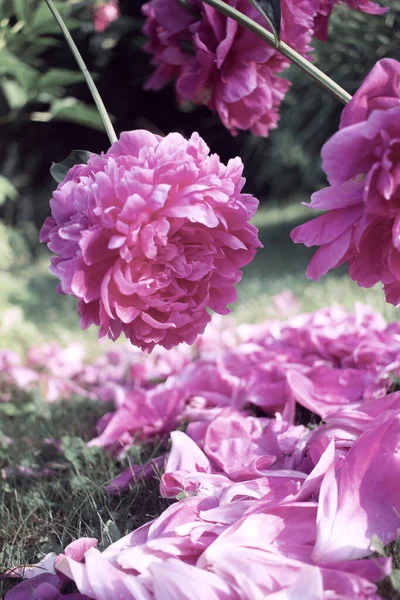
221,64
149,236
269,508
324,362
362,162
325,8
105,13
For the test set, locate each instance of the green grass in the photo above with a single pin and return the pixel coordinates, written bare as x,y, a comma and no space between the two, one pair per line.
281,265
32,312
42,515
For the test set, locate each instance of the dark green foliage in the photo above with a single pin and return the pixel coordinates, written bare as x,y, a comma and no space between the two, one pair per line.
290,159
275,168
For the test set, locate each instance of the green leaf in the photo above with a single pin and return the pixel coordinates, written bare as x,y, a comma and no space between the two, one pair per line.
71,109
6,9
4,440
395,579
377,545
23,10
23,73
55,78
72,449
7,190
41,44
9,410
44,22
14,94
110,534
271,11
77,157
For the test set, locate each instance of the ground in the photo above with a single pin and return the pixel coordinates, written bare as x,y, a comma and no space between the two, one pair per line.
42,515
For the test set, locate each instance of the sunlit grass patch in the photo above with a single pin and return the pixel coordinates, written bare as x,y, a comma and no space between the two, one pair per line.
281,265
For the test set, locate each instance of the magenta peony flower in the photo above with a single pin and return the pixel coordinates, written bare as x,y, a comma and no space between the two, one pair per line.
380,90
105,13
325,7
362,226
221,64
150,235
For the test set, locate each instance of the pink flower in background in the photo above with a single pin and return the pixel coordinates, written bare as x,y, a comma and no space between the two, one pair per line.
325,8
221,64
14,374
362,226
379,91
150,235
105,13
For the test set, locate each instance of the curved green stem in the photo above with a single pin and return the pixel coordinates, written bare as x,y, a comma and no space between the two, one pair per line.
112,136
283,48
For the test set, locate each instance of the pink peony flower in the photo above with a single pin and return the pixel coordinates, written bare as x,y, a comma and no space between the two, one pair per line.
325,9
362,226
150,235
221,64
105,13
379,91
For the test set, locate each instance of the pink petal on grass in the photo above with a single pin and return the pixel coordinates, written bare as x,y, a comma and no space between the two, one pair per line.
362,499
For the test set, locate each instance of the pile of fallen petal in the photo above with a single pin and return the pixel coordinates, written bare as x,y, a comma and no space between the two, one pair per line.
286,474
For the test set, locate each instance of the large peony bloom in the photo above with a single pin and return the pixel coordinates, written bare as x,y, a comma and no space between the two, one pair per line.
221,64
362,162
150,235
325,8
105,13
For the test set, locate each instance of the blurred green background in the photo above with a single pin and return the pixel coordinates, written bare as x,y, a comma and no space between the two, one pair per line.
46,111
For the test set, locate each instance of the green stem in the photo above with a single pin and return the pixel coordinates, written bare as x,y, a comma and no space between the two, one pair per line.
283,48
81,64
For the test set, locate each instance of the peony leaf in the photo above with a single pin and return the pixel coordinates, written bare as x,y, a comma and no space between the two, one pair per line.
9,410
11,66
7,190
43,22
77,157
75,111
21,8
14,93
55,78
377,545
110,534
395,579
271,11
